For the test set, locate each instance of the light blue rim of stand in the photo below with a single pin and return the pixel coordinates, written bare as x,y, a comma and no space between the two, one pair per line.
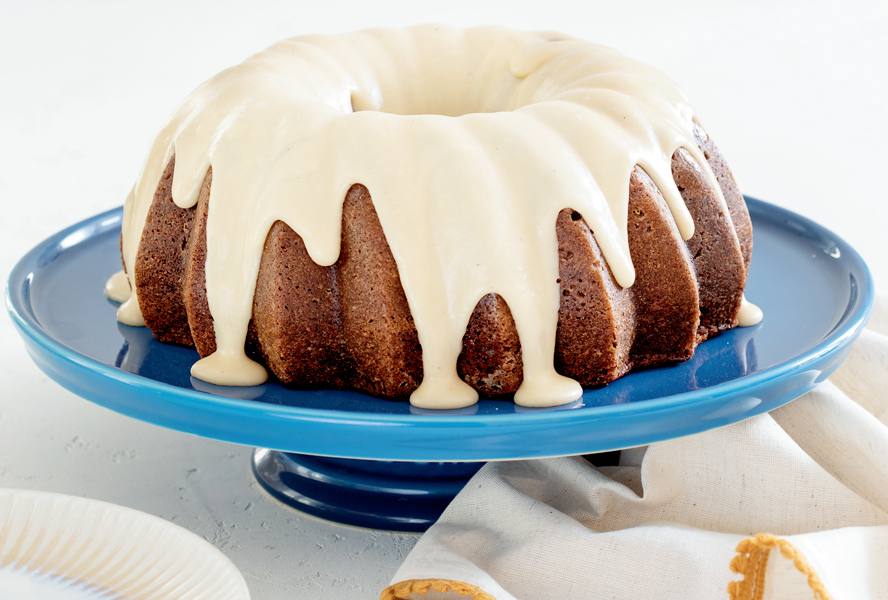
815,290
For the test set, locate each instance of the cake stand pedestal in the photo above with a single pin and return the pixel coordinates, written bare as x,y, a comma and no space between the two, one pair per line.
395,496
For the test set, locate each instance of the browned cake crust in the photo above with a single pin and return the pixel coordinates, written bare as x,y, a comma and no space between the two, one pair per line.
596,319
348,326
161,271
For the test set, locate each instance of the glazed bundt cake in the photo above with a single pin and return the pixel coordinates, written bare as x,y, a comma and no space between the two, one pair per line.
434,214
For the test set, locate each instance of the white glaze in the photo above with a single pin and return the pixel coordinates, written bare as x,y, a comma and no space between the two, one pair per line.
470,142
117,287
749,314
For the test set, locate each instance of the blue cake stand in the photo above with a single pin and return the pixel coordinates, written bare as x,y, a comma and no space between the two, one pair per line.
364,461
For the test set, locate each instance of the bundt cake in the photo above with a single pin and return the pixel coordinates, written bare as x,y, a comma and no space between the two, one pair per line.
435,213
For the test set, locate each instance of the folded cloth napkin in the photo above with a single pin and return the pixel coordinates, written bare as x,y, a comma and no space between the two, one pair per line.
791,504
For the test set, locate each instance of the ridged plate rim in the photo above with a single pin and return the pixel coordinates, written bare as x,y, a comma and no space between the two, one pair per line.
89,548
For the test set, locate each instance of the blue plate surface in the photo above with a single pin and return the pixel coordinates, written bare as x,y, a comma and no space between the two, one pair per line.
815,290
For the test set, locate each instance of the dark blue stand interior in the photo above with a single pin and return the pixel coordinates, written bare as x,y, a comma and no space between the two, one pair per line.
378,494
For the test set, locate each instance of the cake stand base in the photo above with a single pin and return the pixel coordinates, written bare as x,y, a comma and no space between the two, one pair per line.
389,495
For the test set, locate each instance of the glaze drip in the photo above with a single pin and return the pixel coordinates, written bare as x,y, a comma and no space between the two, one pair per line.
118,288
470,142
749,314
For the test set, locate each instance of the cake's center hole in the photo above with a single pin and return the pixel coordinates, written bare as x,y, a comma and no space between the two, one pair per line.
444,81
423,104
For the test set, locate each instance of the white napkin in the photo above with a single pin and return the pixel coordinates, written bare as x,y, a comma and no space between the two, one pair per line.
670,520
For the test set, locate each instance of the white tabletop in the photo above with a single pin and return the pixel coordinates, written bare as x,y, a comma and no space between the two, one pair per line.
793,92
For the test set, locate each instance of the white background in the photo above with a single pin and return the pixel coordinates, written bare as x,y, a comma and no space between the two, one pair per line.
794,93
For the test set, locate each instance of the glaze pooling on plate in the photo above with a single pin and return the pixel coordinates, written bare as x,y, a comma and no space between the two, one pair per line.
749,314
470,142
